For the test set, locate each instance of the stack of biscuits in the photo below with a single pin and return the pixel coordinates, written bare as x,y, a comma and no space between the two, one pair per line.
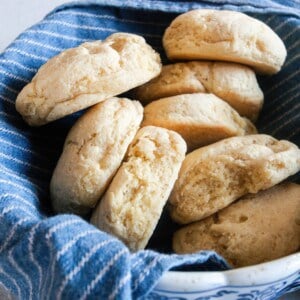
122,162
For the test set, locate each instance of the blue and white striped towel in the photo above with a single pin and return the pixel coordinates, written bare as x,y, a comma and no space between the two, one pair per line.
63,257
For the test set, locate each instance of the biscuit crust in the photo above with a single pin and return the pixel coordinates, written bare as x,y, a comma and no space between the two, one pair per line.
214,176
92,153
201,119
133,203
234,83
83,76
227,36
256,229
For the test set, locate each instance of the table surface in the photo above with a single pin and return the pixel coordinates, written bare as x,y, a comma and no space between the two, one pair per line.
17,15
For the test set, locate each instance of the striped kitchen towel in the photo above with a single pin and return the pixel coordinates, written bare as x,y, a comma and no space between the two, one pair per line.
43,256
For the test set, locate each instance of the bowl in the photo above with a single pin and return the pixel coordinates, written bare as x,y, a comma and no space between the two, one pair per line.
263,281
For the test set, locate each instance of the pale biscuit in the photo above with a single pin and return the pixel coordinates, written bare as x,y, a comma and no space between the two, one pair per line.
227,36
214,176
201,119
133,203
83,76
234,83
256,229
93,151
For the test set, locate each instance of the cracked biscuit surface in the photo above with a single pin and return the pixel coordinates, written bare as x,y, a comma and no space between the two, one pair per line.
227,36
201,119
88,74
255,229
234,83
92,153
133,203
214,176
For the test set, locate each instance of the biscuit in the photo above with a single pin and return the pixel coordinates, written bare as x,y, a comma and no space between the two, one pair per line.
234,83
133,203
92,153
214,176
255,229
201,119
83,76
227,36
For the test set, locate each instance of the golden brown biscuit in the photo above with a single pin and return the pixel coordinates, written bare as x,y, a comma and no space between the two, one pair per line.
257,228
133,203
227,36
201,119
83,76
93,151
214,176
234,83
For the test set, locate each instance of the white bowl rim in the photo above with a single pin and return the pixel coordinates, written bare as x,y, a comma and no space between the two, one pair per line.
256,275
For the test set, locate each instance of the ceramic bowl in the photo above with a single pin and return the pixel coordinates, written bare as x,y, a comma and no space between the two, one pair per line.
263,281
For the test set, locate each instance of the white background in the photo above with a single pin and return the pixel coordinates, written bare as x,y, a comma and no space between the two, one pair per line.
17,15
